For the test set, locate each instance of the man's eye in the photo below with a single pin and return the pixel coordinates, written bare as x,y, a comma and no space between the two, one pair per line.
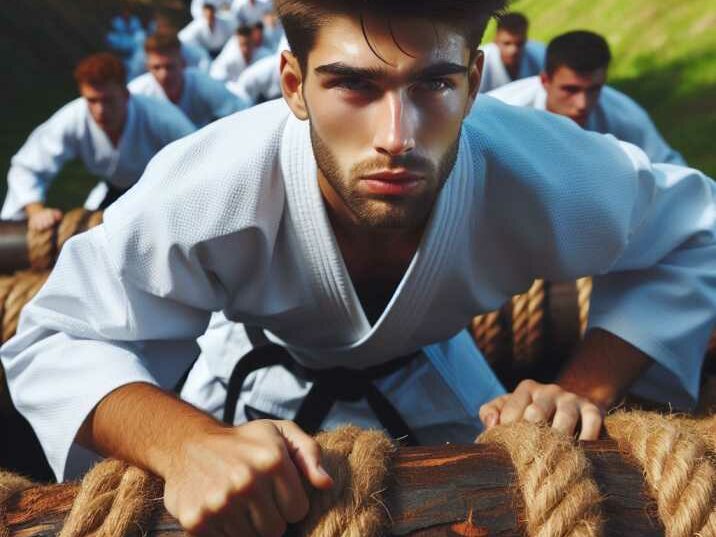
354,84
435,84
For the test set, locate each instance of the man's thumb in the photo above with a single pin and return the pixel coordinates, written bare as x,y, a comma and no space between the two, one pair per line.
306,454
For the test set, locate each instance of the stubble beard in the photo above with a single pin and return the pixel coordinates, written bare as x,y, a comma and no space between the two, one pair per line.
385,212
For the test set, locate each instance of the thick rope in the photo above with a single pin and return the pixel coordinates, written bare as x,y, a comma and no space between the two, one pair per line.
114,500
527,319
487,332
15,293
584,293
560,497
678,473
10,485
44,246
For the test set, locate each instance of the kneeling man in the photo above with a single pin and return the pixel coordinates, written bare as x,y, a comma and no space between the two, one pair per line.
354,228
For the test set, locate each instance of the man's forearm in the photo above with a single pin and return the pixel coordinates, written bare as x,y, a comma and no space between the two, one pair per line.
33,208
141,424
603,368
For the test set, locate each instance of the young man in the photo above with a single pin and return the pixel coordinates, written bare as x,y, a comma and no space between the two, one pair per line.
237,55
199,96
261,81
114,135
210,31
355,228
511,56
249,12
573,85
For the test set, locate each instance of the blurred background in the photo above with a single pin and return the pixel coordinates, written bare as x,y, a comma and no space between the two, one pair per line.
664,57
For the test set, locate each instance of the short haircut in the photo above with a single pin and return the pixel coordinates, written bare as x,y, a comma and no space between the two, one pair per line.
301,19
514,23
162,43
208,5
581,51
244,31
259,25
99,69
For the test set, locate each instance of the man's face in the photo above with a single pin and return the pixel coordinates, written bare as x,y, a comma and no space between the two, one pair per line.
385,135
511,47
246,46
168,69
209,16
257,36
107,104
573,94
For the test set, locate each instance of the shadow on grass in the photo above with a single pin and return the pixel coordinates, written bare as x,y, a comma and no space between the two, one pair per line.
681,98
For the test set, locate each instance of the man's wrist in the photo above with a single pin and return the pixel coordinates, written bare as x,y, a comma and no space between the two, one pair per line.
33,208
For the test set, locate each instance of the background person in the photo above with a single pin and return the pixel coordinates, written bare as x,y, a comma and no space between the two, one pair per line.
114,134
573,85
239,53
210,31
196,94
511,56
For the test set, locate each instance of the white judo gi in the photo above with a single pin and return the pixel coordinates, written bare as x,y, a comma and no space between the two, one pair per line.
494,73
230,62
210,228
615,113
203,99
72,133
198,33
248,13
261,81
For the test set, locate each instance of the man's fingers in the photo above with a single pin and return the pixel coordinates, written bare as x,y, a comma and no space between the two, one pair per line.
490,412
239,523
306,454
591,421
515,406
264,514
567,416
289,493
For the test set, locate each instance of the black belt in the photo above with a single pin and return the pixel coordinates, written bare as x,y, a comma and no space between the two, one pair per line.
329,386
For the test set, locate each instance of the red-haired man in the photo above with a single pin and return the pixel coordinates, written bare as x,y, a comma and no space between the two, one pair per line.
114,135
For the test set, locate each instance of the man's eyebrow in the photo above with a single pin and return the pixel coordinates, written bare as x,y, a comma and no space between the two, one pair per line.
372,73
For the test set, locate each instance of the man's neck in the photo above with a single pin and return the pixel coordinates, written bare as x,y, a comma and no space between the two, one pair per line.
175,96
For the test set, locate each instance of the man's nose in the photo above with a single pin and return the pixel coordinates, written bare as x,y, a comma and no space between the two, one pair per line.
581,101
395,131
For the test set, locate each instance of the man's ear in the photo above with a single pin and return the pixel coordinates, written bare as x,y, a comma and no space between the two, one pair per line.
474,77
292,85
544,78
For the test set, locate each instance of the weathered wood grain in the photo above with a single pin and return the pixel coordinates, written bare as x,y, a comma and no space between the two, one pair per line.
434,490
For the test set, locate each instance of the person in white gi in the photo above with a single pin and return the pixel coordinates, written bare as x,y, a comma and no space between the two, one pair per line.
511,56
210,31
249,12
125,36
261,81
114,135
573,85
199,96
354,228
238,53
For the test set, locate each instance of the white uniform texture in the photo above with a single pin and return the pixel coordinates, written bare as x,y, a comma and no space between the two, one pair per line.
615,113
494,72
260,81
210,228
230,62
203,99
72,133
198,32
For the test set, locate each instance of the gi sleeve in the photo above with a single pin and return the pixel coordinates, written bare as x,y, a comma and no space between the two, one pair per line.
660,294
221,100
39,160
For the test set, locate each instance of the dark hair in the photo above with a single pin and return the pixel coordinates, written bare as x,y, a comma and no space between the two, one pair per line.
162,43
259,26
100,68
514,23
208,5
244,31
301,19
581,51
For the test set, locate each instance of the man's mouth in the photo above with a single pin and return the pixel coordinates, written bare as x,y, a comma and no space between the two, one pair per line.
392,182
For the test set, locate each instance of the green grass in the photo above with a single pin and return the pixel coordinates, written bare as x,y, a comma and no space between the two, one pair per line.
664,57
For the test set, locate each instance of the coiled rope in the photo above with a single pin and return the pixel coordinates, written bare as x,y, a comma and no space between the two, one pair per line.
554,476
44,246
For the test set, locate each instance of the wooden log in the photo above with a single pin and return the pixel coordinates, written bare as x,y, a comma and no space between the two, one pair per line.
435,490
13,247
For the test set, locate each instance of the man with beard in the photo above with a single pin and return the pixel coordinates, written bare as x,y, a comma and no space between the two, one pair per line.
573,85
199,96
354,228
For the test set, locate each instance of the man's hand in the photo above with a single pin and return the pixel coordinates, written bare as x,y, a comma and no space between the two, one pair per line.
243,480
545,403
40,217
